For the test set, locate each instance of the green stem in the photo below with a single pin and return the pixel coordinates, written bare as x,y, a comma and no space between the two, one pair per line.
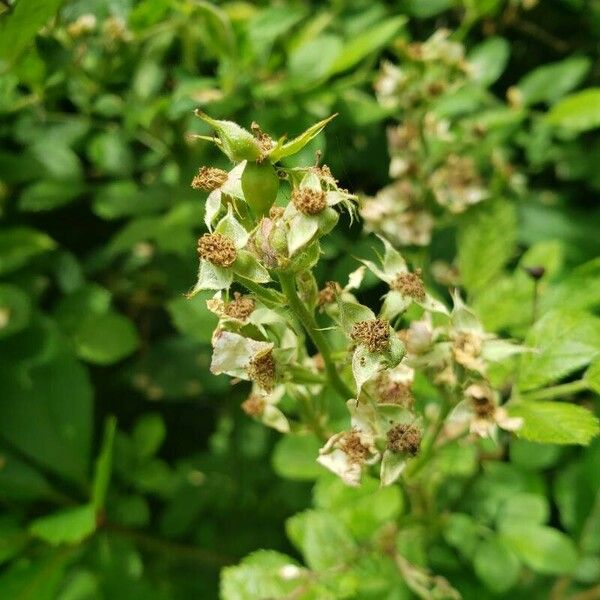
269,297
557,391
427,447
288,286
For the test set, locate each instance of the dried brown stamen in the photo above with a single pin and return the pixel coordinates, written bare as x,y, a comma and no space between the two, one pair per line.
308,201
209,179
404,438
483,407
254,405
395,392
352,446
241,307
374,334
329,292
217,249
466,348
482,400
262,369
276,212
410,284
265,141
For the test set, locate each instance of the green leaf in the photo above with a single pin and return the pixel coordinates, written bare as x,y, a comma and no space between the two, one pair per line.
424,9
58,159
15,310
578,289
37,579
271,23
486,241
106,339
366,43
578,112
364,508
295,145
551,82
461,532
22,24
21,482
323,540
49,194
577,495
69,526
524,507
148,434
191,317
104,465
295,457
544,549
19,245
12,539
532,455
219,25
488,59
592,376
496,565
110,154
555,422
259,575
563,341
46,408
311,61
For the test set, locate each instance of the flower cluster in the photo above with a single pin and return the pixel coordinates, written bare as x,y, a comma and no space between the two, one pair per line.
258,256
441,161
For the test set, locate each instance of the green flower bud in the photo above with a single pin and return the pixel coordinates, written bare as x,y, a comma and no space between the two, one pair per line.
235,141
260,185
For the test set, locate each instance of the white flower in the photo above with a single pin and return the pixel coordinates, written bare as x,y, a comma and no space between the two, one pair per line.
232,187
480,410
234,353
405,287
222,256
348,452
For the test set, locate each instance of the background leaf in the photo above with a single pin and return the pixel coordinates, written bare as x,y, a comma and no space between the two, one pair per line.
555,422
577,112
562,342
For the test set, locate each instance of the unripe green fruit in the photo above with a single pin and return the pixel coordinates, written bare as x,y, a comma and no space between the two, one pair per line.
278,240
260,185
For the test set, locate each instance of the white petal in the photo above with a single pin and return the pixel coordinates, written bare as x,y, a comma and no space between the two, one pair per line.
339,463
483,428
232,353
461,413
508,423
273,417
355,279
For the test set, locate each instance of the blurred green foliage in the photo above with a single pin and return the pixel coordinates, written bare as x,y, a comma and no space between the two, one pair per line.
98,229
